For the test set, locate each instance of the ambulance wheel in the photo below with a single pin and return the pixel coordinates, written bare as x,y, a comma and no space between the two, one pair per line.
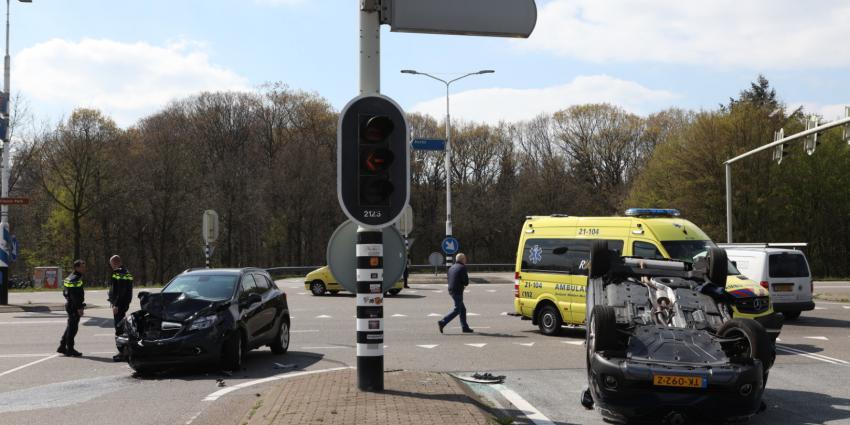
549,320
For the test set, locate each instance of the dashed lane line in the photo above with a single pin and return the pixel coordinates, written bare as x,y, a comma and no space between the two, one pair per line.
428,346
812,356
218,394
476,345
28,365
525,407
574,342
819,338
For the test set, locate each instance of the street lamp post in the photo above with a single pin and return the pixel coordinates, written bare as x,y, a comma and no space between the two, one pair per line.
4,176
448,156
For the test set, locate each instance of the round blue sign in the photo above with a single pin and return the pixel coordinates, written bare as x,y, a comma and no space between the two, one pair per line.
450,245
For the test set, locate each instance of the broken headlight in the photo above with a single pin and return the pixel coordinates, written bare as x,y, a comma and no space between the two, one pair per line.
203,322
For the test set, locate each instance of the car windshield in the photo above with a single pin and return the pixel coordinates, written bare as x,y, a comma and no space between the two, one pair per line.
204,287
689,251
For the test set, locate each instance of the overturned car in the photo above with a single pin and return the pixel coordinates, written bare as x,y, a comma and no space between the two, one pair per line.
206,316
662,345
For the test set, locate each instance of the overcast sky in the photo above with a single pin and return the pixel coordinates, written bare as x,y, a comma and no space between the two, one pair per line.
130,58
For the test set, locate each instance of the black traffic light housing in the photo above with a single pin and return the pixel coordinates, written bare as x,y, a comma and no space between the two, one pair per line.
373,166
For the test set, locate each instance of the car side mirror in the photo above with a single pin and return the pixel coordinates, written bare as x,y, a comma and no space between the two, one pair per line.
251,299
143,294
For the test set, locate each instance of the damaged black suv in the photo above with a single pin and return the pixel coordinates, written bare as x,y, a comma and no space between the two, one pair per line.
662,345
211,316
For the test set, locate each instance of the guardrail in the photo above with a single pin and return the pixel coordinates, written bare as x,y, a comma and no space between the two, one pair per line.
484,267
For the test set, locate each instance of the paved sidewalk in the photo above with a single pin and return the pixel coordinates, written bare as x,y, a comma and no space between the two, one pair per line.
421,398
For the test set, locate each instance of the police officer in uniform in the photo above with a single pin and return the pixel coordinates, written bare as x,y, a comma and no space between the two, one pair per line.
75,297
120,295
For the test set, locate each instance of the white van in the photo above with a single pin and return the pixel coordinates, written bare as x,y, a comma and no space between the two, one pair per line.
781,268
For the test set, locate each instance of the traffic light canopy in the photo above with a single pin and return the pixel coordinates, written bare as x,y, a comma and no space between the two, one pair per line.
373,167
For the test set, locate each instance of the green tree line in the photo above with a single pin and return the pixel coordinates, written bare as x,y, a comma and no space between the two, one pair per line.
266,162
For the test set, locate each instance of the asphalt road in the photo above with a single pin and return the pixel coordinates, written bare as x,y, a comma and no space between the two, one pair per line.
808,384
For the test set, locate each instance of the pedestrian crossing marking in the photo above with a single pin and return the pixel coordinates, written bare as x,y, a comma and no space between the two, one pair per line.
323,316
526,344
476,345
399,315
472,314
819,338
434,315
428,346
574,342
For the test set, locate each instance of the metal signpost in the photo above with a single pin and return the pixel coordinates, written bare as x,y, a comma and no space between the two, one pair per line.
810,135
450,247
373,156
436,260
210,233
342,258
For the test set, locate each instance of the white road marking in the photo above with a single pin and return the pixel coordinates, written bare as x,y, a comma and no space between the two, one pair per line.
820,308
428,346
813,356
472,314
527,409
399,315
476,345
435,315
302,293
466,291
504,313
216,395
23,355
412,291
574,342
526,344
303,331
819,338
778,339
28,365
846,306
438,292
491,290
189,422
324,316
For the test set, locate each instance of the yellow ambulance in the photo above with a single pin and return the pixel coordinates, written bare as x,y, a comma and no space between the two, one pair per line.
553,253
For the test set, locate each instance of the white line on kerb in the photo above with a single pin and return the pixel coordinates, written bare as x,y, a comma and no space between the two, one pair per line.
527,409
27,365
216,395
813,356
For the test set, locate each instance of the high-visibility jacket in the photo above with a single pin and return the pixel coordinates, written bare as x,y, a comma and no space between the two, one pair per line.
73,290
121,288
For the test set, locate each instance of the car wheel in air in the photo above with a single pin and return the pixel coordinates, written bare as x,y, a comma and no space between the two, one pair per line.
281,343
602,330
549,320
752,341
600,259
317,287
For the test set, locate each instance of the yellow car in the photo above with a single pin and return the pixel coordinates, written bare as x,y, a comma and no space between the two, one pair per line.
553,252
322,280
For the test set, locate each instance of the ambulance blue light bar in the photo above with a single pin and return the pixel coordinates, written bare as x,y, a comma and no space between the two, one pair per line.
652,212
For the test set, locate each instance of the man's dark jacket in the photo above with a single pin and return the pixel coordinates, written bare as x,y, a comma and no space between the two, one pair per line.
121,288
73,291
458,279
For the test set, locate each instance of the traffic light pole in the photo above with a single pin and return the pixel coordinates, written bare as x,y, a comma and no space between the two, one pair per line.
370,248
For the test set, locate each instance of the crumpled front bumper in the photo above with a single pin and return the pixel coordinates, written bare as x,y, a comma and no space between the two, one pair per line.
203,346
732,390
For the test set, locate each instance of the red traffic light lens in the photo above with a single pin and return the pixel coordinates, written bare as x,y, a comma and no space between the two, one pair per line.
377,129
375,160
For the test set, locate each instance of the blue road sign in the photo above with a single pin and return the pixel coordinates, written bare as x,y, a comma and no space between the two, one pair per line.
428,144
450,245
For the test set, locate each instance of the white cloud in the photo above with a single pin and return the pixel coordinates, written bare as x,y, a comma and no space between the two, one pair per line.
492,105
125,80
757,34
827,112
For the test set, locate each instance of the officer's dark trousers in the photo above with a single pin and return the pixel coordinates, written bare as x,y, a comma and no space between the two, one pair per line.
118,316
71,329
459,309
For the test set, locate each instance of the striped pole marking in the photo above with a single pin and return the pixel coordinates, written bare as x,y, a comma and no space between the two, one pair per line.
370,309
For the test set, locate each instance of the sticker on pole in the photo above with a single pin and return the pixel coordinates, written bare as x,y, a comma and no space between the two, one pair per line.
450,245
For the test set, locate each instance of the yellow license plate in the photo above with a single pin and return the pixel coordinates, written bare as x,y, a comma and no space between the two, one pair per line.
679,381
783,287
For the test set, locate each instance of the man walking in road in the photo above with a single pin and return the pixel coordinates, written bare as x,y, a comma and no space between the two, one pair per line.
75,298
458,280
120,295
